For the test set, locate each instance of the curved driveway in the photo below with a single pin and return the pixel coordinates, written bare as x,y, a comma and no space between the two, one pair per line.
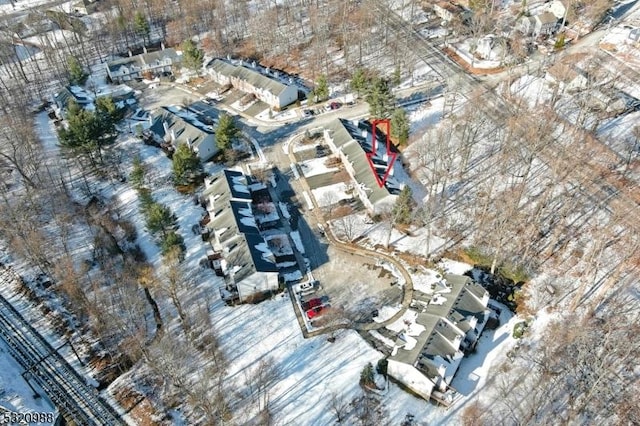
407,293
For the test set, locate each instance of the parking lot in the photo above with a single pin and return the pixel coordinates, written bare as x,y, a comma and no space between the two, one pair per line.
356,286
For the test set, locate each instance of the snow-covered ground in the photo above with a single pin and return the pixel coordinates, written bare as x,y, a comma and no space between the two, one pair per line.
331,194
316,166
425,115
311,370
269,115
15,394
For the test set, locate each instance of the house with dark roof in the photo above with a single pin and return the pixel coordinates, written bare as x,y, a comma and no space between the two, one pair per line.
351,141
446,324
132,67
68,93
266,88
177,126
238,252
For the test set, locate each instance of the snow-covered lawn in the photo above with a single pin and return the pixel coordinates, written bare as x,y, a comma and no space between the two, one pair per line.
533,89
378,233
316,166
331,194
426,115
268,115
309,370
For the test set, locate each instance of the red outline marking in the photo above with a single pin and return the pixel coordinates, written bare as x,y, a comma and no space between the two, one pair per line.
391,155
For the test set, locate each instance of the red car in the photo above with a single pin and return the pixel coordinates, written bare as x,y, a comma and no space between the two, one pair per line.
317,311
312,303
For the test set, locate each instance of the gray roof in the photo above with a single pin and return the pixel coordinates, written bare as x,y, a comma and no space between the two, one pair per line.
444,321
222,67
62,98
151,58
355,140
184,126
547,18
232,220
255,78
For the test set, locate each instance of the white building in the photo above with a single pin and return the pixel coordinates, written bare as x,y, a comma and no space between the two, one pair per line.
155,63
269,90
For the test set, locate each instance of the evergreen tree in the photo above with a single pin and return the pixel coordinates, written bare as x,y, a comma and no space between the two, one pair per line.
86,132
358,81
141,25
226,132
404,206
145,199
322,88
136,177
367,376
186,165
312,96
192,57
400,126
77,75
173,244
159,218
380,99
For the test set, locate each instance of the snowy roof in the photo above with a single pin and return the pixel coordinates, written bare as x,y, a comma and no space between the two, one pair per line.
185,126
227,185
234,226
355,141
144,58
445,324
70,92
254,78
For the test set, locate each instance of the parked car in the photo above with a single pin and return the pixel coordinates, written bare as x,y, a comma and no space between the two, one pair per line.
307,112
312,303
335,105
304,286
317,311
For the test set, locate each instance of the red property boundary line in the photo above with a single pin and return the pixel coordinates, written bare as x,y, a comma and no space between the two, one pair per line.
391,155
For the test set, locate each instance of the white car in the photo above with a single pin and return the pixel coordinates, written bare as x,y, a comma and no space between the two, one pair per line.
304,289
303,286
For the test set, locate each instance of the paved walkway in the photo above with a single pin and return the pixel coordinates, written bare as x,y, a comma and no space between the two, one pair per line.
350,248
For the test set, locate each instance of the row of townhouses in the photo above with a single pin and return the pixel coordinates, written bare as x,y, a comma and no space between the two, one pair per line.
447,323
242,228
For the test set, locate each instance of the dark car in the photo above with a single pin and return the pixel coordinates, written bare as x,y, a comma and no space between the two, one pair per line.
335,105
316,301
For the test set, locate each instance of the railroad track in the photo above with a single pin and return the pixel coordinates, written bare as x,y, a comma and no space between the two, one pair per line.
70,393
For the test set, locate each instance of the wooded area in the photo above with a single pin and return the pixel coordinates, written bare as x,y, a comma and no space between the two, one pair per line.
518,192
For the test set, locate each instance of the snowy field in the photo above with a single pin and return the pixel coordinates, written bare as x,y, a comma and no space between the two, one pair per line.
418,242
15,394
311,370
